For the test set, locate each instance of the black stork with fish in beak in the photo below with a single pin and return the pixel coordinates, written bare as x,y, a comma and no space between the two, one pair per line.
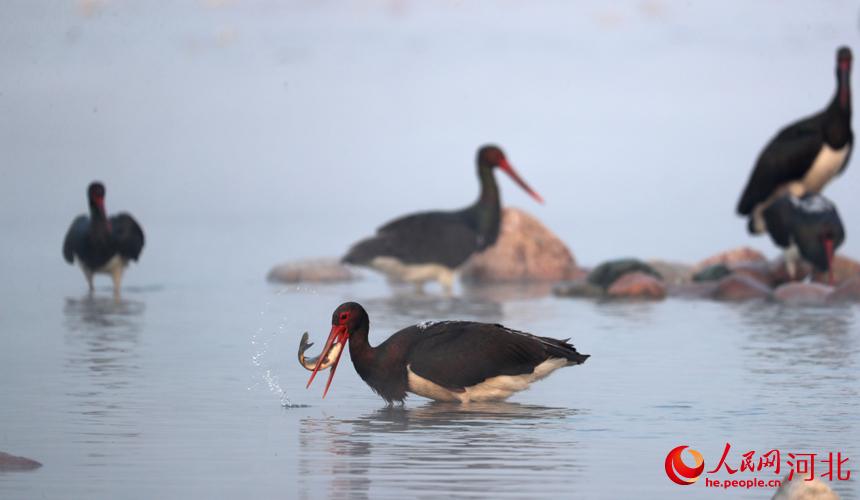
456,361
808,227
102,244
804,156
432,245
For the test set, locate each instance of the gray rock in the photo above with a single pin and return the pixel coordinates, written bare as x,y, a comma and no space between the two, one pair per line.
801,489
739,287
637,285
13,463
779,271
731,257
673,273
713,272
847,291
526,251
312,271
692,290
844,268
756,269
577,288
803,293
605,274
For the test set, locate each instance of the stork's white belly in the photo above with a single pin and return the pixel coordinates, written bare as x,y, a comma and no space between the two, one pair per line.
493,389
116,263
825,167
413,273
827,164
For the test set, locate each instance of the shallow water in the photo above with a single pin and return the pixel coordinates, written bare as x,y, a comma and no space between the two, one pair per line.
244,133
190,387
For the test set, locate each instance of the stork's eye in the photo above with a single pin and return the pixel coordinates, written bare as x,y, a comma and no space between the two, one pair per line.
343,316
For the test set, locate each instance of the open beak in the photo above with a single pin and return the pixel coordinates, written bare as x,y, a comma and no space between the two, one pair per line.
338,337
504,165
828,249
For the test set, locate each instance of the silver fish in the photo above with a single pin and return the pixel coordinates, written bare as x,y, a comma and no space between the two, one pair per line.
310,363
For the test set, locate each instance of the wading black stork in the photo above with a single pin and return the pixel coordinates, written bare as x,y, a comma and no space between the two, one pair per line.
433,245
458,361
804,156
808,227
101,244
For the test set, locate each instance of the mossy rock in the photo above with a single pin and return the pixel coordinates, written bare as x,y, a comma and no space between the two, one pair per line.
605,274
715,272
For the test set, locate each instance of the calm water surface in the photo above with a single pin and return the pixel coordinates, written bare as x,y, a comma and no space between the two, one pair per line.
190,387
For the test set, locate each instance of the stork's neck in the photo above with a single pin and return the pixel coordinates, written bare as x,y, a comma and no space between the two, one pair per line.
97,216
843,91
488,208
360,350
838,128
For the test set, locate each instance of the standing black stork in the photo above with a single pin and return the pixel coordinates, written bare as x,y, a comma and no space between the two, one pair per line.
102,244
804,156
457,361
808,227
432,245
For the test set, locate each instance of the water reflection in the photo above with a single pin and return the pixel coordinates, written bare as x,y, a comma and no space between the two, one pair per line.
506,292
640,313
92,312
783,336
799,357
462,449
101,365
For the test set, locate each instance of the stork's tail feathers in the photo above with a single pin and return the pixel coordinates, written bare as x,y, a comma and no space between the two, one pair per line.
363,252
562,349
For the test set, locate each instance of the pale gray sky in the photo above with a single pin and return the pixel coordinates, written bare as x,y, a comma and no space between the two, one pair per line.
638,121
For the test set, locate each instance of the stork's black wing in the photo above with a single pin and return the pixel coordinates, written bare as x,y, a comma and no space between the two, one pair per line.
787,157
75,237
431,237
778,219
458,354
127,235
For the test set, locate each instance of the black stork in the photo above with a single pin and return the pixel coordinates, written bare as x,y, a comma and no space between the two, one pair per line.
456,361
432,245
101,244
804,156
808,227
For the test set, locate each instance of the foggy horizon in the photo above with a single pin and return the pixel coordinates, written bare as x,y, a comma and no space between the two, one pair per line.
638,122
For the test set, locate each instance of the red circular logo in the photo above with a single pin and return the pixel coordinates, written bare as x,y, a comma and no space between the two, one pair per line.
681,473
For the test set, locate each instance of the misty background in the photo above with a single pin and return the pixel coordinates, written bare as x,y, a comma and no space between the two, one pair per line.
299,127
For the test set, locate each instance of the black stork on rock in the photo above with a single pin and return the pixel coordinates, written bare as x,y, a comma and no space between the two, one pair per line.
808,227
804,156
433,245
457,361
101,244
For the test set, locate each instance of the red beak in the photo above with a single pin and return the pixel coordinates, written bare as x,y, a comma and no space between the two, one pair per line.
339,334
828,248
504,165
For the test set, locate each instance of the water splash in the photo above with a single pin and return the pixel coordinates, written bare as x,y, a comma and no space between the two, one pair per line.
260,342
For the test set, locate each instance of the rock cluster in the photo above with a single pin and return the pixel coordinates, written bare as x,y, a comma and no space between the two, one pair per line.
622,278
528,252
739,274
